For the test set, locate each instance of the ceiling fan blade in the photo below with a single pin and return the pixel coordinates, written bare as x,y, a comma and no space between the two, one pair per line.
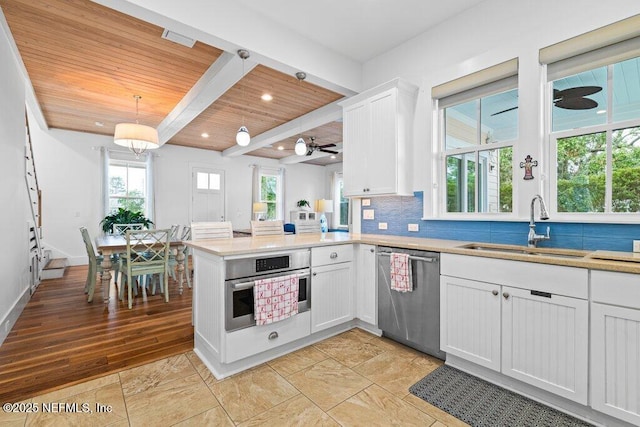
327,151
576,103
575,92
327,145
504,111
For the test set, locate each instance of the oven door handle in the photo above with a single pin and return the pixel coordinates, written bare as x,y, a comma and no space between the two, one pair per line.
242,286
249,285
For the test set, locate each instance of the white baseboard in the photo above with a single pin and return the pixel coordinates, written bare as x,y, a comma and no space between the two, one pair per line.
11,317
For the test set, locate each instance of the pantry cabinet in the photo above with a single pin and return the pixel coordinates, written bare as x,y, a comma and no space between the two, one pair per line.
377,134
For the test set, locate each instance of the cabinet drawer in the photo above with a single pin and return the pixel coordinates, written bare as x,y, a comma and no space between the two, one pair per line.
327,255
249,341
615,288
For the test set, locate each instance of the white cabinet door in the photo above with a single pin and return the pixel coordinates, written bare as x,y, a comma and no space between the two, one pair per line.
366,297
381,156
545,341
355,129
615,361
470,320
331,296
377,130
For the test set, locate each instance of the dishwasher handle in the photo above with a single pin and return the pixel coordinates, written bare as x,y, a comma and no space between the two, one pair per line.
412,257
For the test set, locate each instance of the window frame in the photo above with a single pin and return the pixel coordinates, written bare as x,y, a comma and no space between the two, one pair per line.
279,202
551,156
337,202
128,164
477,93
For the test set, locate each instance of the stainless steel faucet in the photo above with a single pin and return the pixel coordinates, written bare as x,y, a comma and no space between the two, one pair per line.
533,237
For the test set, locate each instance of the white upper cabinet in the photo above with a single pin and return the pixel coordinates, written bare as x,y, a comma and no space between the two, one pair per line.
377,135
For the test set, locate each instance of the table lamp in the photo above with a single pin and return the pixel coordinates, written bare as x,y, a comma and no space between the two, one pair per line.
259,209
324,206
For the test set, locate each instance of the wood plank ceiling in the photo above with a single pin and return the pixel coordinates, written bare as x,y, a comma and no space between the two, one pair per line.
86,62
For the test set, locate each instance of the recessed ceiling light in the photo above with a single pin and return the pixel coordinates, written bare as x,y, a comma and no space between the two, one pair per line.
99,124
280,147
333,156
601,111
266,97
204,135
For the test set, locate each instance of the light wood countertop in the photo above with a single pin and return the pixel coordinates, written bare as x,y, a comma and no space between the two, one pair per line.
626,262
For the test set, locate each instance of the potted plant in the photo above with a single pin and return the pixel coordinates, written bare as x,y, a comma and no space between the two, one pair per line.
303,204
124,216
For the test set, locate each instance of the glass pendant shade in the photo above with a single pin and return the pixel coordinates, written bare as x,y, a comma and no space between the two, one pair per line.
242,137
300,147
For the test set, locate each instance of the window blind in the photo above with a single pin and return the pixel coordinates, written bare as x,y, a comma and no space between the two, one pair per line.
497,78
603,46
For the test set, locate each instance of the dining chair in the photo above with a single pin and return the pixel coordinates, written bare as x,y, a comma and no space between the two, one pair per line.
211,230
120,230
147,254
95,265
267,228
308,226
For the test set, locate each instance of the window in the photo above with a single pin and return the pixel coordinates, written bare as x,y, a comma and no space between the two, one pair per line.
479,135
595,139
341,203
270,192
127,186
208,181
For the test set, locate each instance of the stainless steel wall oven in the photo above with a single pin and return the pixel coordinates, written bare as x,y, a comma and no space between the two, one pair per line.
242,273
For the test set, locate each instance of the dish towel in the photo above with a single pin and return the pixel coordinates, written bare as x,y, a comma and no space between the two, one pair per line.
401,273
275,298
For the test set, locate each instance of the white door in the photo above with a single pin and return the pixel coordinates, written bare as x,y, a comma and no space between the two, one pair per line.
331,296
207,195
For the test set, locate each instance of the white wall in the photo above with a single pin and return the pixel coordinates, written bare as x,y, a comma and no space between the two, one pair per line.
14,262
492,32
69,168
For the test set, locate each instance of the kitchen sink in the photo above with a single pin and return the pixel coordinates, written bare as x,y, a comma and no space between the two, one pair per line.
525,250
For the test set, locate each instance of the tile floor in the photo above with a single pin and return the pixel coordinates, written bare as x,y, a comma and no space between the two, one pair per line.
352,379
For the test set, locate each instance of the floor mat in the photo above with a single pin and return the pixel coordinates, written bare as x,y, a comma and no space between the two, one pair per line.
480,403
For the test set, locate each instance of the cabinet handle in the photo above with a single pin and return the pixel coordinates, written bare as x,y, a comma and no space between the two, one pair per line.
315,274
372,250
273,335
506,295
333,255
494,292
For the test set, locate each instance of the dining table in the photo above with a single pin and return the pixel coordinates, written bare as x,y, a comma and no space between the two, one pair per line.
111,244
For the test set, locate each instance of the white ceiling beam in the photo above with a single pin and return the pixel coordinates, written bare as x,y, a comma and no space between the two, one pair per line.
323,115
315,155
220,77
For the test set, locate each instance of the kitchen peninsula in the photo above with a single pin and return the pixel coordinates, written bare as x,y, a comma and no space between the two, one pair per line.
340,270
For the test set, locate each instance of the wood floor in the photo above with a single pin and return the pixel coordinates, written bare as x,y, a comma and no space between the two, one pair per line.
60,339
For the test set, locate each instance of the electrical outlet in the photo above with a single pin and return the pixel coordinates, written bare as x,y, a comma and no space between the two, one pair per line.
413,227
367,214
366,202
382,226
636,246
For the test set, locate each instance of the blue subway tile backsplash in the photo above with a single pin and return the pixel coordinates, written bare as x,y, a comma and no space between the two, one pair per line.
400,211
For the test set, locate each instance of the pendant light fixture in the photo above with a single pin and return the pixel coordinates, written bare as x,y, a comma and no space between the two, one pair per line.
242,136
136,137
301,146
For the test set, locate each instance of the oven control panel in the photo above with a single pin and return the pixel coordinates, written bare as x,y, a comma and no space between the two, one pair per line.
272,263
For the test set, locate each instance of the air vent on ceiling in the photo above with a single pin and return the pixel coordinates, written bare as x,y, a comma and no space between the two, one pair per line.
178,38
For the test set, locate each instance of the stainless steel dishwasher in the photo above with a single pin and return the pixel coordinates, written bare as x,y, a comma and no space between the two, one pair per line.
411,318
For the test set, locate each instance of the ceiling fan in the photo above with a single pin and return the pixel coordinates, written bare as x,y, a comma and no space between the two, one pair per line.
310,147
572,98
